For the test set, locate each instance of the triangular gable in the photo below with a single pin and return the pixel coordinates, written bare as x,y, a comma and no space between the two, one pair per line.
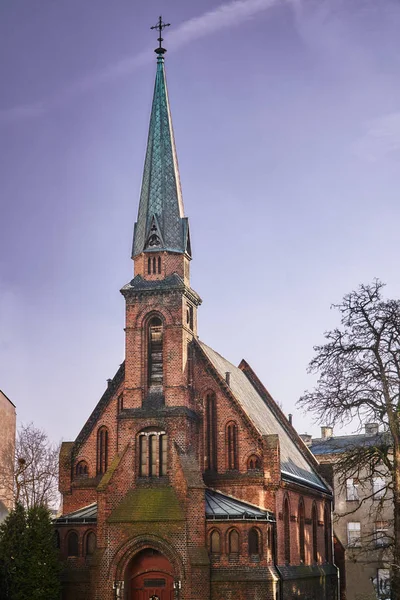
294,465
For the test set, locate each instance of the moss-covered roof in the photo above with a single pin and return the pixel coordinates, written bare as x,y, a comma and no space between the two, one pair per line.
148,504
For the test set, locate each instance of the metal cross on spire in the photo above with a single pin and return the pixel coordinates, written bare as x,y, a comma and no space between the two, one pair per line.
160,26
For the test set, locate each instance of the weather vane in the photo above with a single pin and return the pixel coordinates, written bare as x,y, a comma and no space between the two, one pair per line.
160,26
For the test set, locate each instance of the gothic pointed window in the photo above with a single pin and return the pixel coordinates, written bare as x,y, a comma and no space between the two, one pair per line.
211,432
155,358
301,520
154,265
232,446
81,469
314,522
286,530
215,542
153,453
72,544
254,542
159,264
149,265
102,450
90,543
233,543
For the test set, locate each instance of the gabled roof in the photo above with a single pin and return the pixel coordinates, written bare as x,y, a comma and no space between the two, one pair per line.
221,507
294,465
7,398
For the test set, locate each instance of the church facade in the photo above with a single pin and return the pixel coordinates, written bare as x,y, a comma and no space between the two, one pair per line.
187,481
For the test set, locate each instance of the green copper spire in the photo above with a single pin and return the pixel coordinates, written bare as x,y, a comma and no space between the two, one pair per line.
161,224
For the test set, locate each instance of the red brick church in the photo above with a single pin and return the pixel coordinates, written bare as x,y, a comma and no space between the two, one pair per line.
187,481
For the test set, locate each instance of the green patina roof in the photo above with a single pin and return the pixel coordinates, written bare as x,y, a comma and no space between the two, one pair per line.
148,504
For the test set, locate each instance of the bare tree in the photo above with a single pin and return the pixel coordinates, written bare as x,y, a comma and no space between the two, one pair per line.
359,378
36,468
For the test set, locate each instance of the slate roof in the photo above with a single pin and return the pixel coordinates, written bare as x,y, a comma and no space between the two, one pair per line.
221,507
87,514
294,465
342,443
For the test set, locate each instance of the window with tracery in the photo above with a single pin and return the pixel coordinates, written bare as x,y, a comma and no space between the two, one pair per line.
254,463
73,544
232,446
286,530
81,469
155,356
301,520
233,542
215,542
211,432
153,453
314,522
102,450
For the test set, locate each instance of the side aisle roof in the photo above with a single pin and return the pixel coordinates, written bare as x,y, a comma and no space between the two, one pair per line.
294,465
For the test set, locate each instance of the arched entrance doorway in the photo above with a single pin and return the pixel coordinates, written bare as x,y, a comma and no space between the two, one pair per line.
150,576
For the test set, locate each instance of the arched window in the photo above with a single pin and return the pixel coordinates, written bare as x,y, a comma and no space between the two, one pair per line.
327,532
301,519
149,265
231,446
286,530
211,432
314,521
90,543
120,403
254,542
102,450
57,539
254,463
73,544
159,264
233,542
154,264
155,357
153,455
81,469
215,542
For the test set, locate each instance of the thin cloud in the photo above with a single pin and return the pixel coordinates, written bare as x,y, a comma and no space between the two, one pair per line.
381,138
226,15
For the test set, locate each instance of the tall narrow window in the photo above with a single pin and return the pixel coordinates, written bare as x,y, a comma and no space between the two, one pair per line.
102,450
155,359
231,445
149,265
211,432
154,265
153,454
254,542
120,403
314,521
354,534
73,544
215,542
159,264
351,489
286,530
301,532
327,532
90,543
233,542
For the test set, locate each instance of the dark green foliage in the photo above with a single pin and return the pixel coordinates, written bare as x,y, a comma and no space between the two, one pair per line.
29,564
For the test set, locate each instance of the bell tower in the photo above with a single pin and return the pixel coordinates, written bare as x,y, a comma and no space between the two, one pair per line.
161,307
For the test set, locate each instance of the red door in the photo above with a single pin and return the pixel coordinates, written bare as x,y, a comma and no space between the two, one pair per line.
152,583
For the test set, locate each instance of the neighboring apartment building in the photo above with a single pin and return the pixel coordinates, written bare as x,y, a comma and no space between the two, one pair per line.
363,514
7,450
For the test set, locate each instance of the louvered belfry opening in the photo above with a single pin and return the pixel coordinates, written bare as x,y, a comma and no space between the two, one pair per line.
155,362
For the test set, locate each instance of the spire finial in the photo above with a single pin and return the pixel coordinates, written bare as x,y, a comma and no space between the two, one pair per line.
160,26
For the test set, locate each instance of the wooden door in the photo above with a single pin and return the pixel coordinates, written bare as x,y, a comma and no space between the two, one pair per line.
152,583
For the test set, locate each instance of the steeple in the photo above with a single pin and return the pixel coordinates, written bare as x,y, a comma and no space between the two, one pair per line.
161,225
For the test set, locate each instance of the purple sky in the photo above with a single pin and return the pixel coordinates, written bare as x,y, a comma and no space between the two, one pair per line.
287,124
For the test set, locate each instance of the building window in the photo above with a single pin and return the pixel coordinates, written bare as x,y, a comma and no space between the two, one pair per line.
254,542
90,543
354,534
254,463
149,266
286,530
381,534
302,546
314,522
327,533
153,454
120,403
378,487
155,360
215,542
382,584
57,539
351,489
102,450
73,544
154,264
81,469
189,316
233,542
159,265
211,432
232,446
